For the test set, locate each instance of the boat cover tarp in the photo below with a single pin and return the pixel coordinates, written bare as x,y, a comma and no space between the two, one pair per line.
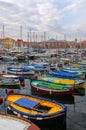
26,103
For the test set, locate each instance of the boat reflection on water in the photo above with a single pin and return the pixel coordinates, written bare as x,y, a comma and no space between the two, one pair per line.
80,92
65,99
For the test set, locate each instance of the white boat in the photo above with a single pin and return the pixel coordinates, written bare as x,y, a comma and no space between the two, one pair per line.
9,122
20,71
37,67
9,81
8,58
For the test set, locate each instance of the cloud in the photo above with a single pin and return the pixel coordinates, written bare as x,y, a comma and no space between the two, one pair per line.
74,5
51,16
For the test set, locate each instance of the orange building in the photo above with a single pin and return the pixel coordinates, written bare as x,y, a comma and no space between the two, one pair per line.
83,45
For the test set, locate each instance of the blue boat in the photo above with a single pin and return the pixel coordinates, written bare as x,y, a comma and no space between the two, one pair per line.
36,67
64,74
20,71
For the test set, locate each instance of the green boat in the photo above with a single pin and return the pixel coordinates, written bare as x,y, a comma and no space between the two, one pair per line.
47,87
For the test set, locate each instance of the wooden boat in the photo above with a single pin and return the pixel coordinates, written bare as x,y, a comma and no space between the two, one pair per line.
20,71
40,63
37,109
57,80
73,69
51,88
36,67
64,74
9,81
21,57
8,58
9,122
77,83
79,64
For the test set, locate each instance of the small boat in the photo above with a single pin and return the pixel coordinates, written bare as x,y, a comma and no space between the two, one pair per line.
76,83
79,64
73,69
9,81
51,88
9,122
8,58
46,64
36,66
64,74
20,71
21,56
57,80
39,110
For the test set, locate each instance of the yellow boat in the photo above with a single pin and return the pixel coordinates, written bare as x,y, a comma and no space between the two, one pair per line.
76,83
58,80
36,108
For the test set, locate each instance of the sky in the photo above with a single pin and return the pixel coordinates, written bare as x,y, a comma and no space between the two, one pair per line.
43,19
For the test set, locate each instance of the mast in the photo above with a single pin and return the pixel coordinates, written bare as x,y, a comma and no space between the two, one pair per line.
3,34
44,39
65,42
21,36
34,39
30,37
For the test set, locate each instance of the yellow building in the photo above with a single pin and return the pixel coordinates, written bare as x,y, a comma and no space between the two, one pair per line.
7,42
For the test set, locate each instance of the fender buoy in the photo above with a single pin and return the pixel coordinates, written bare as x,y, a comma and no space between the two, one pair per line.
1,100
36,77
21,79
11,91
22,83
3,71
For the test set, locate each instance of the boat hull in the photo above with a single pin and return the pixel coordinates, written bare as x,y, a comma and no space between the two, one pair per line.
51,92
53,123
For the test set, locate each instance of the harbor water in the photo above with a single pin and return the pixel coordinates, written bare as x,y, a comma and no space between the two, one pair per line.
76,105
